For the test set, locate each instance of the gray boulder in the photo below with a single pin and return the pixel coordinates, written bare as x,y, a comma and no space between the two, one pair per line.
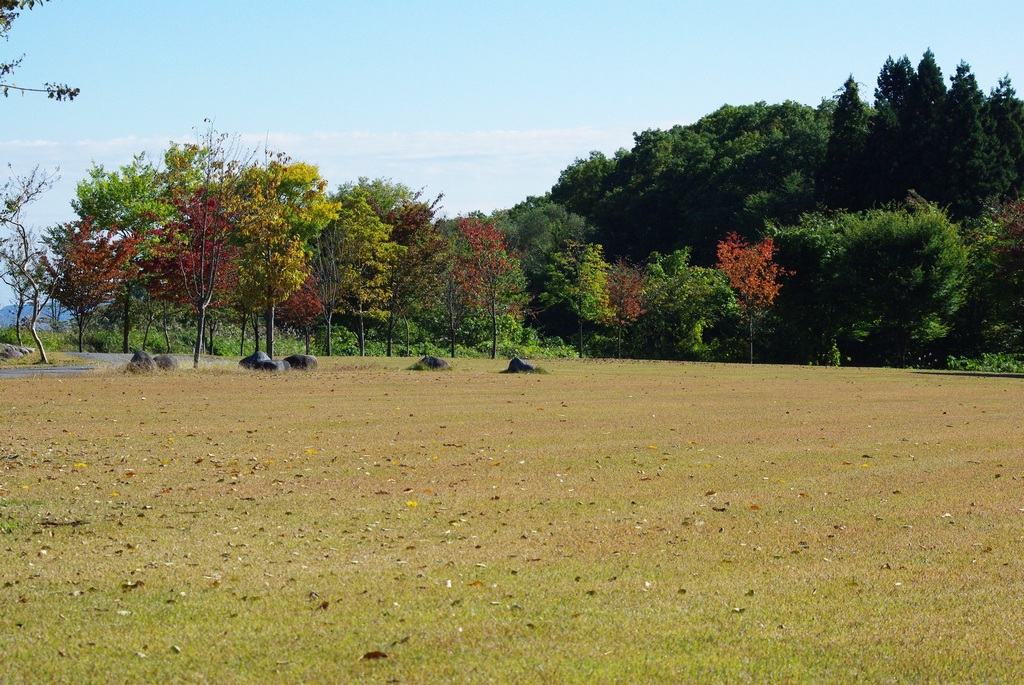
272,365
431,362
165,362
141,362
254,360
517,365
11,352
302,362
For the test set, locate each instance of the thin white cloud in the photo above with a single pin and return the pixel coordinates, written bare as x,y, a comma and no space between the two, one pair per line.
481,170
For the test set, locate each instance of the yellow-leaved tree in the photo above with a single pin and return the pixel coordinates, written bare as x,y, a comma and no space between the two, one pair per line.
286,208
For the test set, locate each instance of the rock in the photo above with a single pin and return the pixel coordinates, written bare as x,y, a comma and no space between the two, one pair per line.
434,363
302,362
254,360
166,362
141,362
11,352
517,365
272,365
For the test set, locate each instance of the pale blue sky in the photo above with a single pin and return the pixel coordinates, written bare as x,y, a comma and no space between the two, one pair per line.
484,101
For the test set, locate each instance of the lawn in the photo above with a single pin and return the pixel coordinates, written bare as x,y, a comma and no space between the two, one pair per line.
605,522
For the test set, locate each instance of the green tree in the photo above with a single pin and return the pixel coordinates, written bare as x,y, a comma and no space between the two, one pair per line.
843,178
903,274
684,303
972,178
578,280
888,153
1005,114
364,256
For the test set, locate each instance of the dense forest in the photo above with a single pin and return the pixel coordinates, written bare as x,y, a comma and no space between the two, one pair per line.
881,233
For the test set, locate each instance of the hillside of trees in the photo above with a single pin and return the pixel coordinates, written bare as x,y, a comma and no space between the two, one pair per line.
881,233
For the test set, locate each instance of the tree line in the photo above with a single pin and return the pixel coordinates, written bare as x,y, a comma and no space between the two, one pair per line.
853,233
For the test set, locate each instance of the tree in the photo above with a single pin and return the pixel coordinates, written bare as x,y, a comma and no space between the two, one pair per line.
24,253
626,287
16,283
126,201
1006,115
843,175
284,208
753,275
972,154
683,303
455,299
493,277
578,280
203,190
362,254
302,309
418,262
902,274
89,268
54,91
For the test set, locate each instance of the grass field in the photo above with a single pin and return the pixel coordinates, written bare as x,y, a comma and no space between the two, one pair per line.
606,522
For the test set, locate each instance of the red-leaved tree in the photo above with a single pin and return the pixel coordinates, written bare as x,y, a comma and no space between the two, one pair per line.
753,275
625,287
89,268
494,278
200,241
302,309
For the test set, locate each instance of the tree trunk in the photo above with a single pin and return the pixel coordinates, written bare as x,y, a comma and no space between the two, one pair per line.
391,331
362,334
407,337
452,328
17,320
241,344
494,334
255,331
209,338
197,352
269,325
580,320
39,343
751,339
306,331
163,325
81,334
618,352
126,314
330,343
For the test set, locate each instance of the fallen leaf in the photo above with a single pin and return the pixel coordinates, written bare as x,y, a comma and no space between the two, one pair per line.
370,656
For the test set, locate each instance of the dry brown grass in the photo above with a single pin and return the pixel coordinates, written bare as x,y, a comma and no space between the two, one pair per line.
608,522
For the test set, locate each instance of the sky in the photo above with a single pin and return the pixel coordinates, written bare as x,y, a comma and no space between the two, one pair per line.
485,101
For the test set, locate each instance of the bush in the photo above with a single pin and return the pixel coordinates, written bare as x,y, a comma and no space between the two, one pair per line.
990,363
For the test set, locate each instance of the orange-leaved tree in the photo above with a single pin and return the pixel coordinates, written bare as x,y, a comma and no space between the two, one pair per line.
90,265
626,288
494,279
753,275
